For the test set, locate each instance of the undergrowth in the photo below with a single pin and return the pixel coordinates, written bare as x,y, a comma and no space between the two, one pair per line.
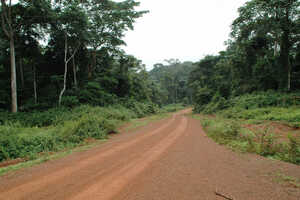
289,115
172,107
261,141
26,135
271,106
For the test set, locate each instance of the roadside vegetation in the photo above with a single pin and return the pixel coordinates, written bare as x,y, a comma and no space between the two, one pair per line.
249,91
262,123
24,136
261,140
72,57
30,135
64,78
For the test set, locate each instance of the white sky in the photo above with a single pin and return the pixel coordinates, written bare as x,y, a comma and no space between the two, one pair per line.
187,30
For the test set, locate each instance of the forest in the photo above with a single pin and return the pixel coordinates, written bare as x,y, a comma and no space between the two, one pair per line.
68,53
262,55
248,95
62,61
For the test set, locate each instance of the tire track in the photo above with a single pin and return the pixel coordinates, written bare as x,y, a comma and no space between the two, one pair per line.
76,182
109,186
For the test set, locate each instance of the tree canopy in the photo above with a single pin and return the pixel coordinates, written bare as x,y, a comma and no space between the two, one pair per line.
67,52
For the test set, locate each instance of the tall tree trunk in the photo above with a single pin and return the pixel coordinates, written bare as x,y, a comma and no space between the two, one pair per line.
277,41
90,74
21,73
66,68
285,50
93,65
65,74
6,23
35,85
289,75
276,47
288,49
14,100
74,73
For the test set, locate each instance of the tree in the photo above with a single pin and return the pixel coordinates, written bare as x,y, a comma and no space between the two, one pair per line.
171,80
8,27
53,38
108,22
266,25
72,25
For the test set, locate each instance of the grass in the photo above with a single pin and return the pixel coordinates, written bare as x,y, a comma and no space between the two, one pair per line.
290,115
136,123
25,137
245,123
264,142
173,108
66,134
259,106
45,158
284,179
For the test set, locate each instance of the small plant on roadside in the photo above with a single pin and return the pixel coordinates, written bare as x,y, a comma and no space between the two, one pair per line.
294,150
266,141
261,141
284,179
233,129
205,123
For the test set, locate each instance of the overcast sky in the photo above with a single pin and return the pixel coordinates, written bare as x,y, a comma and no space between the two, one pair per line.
187,30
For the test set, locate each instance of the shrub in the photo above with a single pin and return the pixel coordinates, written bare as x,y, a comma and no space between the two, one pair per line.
35,118
266,145
24,146
202,97
221,131
208,103
218,103
70,101
172,107
294,150
86,127
261,141
24,135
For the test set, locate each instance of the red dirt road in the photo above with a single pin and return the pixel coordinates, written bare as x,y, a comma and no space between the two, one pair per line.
166,160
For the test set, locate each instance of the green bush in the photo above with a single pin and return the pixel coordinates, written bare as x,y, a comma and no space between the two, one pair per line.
266,99
294,150
202,97
223,132
172,107
86,127
70,101
25,145
208,103
139,108
217,103
25,135
35,118
290,115
260,141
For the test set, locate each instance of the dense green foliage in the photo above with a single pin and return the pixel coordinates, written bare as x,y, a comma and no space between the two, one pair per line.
262,54
23,136
255,79
68,55
68,52
262,141
171,82
73,80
